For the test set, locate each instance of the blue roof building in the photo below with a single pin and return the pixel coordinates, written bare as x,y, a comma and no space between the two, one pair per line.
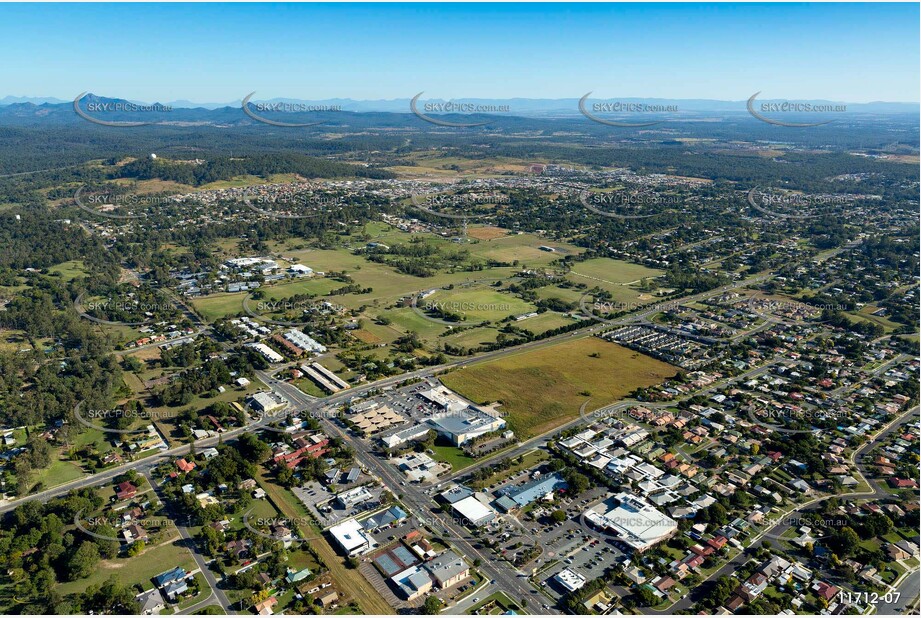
168,577
174,589
456,494
384,518
459,427
523,495
293,576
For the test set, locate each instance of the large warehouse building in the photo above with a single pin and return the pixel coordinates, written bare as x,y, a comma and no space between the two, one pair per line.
633,521
464,425
473,512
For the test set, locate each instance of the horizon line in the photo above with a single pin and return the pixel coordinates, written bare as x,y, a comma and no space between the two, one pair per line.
54,100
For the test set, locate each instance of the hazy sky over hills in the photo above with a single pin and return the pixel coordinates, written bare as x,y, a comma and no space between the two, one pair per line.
218,53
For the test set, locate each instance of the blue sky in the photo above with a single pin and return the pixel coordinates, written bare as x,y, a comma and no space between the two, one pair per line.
221,52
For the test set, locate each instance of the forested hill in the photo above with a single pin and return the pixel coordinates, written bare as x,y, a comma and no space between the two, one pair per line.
224,168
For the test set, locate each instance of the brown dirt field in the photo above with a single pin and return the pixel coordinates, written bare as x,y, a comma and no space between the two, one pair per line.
145,354
486,233
912,159
544,388
705,181
366,336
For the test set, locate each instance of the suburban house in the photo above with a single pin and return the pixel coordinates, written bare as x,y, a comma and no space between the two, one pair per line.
125,491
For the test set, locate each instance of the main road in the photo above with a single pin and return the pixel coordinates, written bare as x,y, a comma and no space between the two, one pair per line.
339,398
509,579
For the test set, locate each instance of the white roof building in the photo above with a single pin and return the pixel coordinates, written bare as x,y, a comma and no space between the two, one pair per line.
443,399
353,496
266,401
268,353
405,435
474,511
634,521
570,580
351,537
304,341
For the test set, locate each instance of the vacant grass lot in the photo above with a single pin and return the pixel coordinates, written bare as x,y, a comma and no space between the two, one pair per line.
545,321
568,295
308,387
216,306
479,303
376,333
605,272
58,473
544,388
486,232
528,461
69,270
865,315
137,570
628,295
473,338
306,285
408,320
387,283
522,247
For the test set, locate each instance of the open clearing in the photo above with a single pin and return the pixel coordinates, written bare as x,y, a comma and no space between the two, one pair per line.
473,338
865,315
543,322
69,270
387,284
605,272
424,164
216,306
136,570
543,389
486,232
478,303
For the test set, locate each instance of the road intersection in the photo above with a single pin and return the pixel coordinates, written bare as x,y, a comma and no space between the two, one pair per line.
500,575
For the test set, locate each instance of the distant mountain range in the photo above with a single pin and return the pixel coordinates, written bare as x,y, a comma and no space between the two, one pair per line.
516,106
517,114
9,100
